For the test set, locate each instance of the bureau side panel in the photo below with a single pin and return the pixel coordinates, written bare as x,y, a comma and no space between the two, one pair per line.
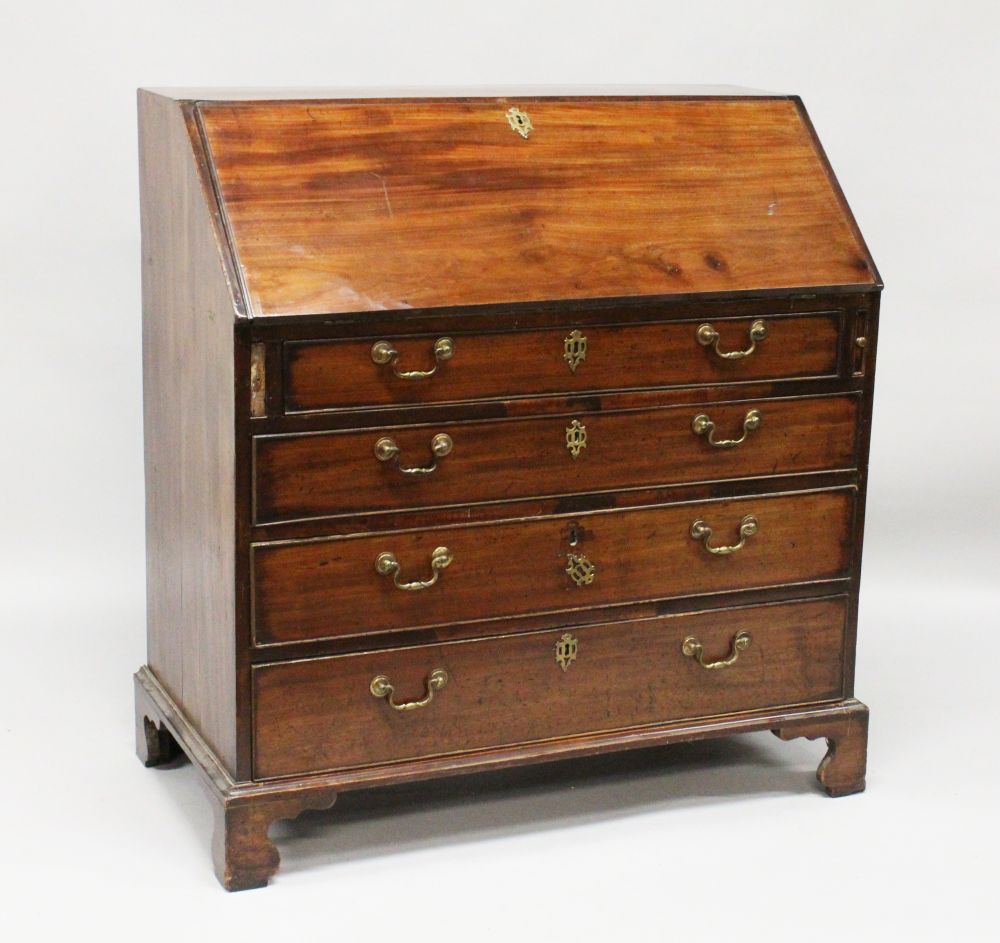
188,393
862,338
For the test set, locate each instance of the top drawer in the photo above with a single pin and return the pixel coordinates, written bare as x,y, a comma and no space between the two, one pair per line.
324,375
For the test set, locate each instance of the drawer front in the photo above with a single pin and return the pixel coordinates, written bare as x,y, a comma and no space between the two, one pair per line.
342,374
326,474
321,589
321,714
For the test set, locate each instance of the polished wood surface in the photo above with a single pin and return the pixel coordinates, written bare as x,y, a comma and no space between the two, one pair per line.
328,588
319,714
281,240
842,770
188,408
310,475
246,857
336,375
338,207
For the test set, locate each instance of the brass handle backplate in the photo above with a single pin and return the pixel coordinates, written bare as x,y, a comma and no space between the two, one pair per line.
701,531
702,425
579,569
387,563
386,450
708,336
383,352
693,649
381,687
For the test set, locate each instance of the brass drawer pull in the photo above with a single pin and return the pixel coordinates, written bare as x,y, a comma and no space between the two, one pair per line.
381,687
383,352
387,563
702,425
701,531
693,649
708,336
386,450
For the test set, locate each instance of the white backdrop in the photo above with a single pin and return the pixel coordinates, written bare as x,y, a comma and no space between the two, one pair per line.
703,842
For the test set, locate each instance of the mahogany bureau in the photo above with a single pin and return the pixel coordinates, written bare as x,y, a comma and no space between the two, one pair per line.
483,431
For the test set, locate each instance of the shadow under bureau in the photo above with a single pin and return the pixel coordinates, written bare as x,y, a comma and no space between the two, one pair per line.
483,431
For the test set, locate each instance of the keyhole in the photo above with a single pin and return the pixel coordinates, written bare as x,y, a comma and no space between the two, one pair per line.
574,535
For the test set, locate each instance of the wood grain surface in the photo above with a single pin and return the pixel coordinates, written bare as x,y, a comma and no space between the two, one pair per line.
188,405
336,375
282,239
326,474
326,588
340,207
319,714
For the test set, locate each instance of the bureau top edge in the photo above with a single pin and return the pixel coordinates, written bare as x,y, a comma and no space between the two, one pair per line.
801,301
207,94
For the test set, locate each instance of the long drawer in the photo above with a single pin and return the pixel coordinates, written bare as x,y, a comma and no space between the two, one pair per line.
306,590
334,713
331,473
322,375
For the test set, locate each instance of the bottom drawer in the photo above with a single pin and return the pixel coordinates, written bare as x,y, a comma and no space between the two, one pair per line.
335,713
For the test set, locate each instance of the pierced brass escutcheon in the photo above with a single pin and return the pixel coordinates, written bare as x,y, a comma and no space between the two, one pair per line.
566,649
381,687
519,121
701,531
576,437
383,352
693,649
575,350
702,425
581,571
386,450
386,563
708,336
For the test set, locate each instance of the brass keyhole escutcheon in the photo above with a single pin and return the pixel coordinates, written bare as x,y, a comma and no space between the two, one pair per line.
519,121
566,649
574,350
576,438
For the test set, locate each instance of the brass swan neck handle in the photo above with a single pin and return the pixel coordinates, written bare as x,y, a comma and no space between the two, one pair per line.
381,687
384,353
692,648
701,531
702,425
386,564
708,336
386,450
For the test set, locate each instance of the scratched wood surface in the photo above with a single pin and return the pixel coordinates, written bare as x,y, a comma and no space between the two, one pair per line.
320,714
188,405
340,374
315,475
340,207
327,588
